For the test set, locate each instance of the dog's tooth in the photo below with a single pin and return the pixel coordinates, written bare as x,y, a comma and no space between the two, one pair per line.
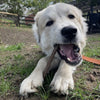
68,59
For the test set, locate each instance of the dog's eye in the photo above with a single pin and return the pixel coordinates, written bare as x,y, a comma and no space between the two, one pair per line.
49,23
71,16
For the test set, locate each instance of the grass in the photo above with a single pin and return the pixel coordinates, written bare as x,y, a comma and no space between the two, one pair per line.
4,87
12,73
11,47
81,93
43,94
13,27
93,49
15,68
9,73
6,20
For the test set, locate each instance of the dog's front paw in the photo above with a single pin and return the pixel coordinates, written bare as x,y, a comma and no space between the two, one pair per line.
29,85
61,84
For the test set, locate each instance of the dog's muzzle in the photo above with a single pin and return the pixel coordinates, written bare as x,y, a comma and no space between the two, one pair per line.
69,50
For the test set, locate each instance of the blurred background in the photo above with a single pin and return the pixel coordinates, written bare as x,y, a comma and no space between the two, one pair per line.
22,12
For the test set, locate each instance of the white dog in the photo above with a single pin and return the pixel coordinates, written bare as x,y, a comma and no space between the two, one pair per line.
64,25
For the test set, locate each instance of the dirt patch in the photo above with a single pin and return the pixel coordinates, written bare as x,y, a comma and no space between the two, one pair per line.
13,35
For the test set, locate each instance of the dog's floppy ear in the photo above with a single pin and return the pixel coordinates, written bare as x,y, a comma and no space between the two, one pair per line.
35,27
82,21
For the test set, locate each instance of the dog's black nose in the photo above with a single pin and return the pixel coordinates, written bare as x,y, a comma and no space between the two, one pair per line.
69,32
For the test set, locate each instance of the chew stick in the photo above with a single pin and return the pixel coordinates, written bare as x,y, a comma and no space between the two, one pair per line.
50,61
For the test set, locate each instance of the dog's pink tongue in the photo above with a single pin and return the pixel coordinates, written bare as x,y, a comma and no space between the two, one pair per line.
67,50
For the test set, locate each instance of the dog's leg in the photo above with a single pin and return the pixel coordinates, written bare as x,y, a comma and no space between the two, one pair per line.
35,79
63,79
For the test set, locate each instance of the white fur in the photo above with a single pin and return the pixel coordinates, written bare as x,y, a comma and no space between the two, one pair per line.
48,36
63,79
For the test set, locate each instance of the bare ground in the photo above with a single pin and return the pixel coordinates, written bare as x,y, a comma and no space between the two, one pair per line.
16,35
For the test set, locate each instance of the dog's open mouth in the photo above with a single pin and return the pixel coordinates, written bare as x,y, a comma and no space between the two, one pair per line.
70,53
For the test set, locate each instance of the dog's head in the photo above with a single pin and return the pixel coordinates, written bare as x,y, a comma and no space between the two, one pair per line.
64,25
